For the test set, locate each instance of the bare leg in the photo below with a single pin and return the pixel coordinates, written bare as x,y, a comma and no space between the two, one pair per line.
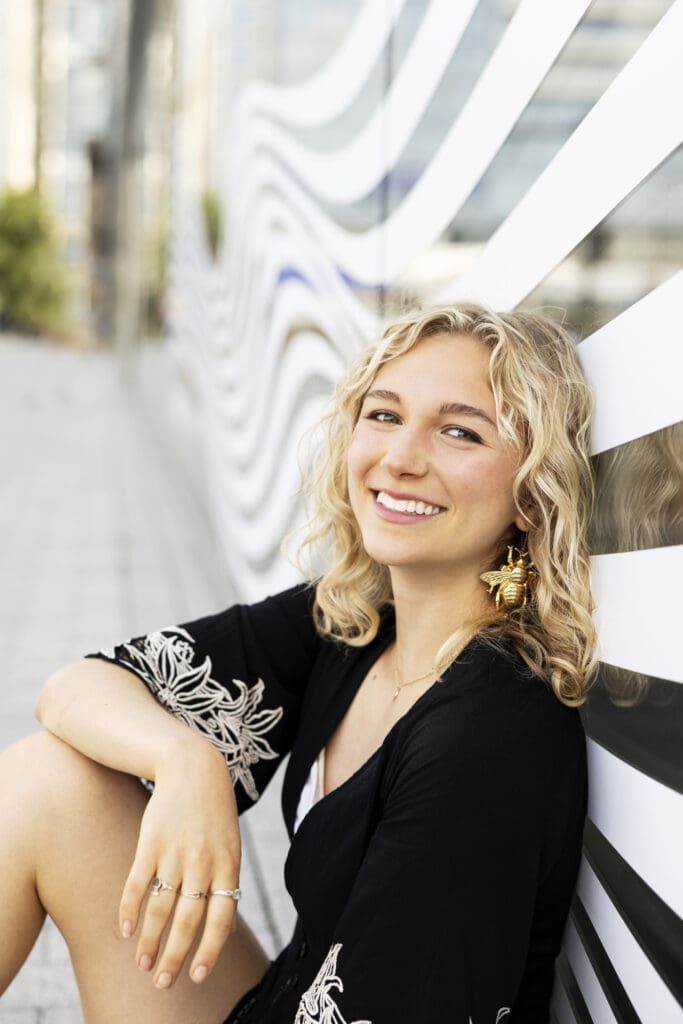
68,830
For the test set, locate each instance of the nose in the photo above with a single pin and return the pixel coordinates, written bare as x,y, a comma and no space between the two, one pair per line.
406,454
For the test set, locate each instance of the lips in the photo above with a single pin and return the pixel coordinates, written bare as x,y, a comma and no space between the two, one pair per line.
407,505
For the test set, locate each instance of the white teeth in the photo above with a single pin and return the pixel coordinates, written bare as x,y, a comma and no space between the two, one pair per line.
411,506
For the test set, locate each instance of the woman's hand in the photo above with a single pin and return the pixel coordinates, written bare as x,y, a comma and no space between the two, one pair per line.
189,838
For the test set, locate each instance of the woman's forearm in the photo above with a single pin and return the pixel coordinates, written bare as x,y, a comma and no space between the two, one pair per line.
189,831
106,713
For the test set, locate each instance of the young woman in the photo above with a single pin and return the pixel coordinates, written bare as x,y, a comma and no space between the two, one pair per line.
426,687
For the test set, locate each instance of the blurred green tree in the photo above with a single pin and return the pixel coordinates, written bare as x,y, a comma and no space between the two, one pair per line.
32,281
213,220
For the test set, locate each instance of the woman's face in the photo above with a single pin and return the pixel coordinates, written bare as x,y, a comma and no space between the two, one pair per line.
430,482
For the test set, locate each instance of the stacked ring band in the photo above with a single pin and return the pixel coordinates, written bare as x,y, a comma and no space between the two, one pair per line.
235,894
159,886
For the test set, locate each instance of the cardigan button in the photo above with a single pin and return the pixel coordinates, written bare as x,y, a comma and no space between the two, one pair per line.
303,950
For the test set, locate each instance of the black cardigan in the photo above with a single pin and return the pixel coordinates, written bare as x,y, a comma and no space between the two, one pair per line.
434,884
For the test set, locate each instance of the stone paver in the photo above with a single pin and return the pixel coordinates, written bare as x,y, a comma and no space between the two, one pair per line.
104,533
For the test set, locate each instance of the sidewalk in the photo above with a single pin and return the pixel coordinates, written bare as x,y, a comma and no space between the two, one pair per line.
102,535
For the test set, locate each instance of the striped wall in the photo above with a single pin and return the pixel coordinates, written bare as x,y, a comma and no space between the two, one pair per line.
370,153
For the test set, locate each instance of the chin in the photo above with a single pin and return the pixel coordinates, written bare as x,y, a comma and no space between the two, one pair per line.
391,554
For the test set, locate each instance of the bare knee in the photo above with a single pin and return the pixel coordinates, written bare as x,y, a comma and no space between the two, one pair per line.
38,755
43,759
31,755
48,785
30,769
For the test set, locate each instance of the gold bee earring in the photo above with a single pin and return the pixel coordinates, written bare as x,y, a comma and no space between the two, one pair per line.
514,580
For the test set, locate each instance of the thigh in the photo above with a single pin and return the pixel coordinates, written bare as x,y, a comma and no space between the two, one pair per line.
114,991
88,825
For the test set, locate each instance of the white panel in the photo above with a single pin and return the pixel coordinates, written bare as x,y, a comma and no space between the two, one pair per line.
560,1004
346,175
261,505
254,278
276,464
642,819
331,90
638,610
652,1000
587,979
530,45
630,130
264,428
255,582
249,373
635,366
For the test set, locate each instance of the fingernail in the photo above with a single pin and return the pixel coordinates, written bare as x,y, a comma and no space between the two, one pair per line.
199,973
145,962
164,980
126,929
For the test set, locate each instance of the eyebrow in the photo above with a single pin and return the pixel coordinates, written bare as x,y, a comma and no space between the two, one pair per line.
445,409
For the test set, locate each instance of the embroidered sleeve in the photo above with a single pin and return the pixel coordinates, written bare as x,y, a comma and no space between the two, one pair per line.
237,678
229,715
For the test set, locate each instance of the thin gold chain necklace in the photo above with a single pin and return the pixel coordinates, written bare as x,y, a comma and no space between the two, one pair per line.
418,679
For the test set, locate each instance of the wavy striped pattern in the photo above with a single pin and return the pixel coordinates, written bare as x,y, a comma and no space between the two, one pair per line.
362,182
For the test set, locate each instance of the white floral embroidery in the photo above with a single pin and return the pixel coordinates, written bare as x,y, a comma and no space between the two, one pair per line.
503,1012
166,661
317,1005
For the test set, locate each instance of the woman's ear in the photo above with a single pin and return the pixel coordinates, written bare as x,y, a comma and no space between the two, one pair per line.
526,516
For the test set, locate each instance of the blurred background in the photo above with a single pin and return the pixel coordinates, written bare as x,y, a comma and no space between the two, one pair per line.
86,92
206,207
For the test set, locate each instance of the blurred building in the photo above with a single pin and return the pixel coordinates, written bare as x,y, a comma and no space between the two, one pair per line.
18,113
76,88
65,101
637,247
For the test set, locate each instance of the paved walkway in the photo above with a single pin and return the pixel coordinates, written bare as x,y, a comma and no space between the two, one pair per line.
104,534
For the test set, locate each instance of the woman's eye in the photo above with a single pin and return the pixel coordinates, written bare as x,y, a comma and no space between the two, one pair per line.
381,416
460,432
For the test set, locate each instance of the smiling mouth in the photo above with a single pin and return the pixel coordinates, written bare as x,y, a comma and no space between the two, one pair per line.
410,506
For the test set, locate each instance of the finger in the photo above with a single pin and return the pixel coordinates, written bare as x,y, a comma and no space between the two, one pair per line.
134,892
221,921
157,914
187,920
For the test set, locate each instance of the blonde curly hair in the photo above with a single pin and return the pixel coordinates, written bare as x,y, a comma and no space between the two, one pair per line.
544,409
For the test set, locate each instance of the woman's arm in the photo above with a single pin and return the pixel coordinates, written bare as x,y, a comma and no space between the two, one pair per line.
237,678
189,834
206,710
107,713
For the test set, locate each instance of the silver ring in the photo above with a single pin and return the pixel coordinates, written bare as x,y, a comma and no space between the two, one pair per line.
159,886
235,894
196,895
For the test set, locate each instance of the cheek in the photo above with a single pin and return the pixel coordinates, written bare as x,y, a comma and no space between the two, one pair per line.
354,471
358,460
489,483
